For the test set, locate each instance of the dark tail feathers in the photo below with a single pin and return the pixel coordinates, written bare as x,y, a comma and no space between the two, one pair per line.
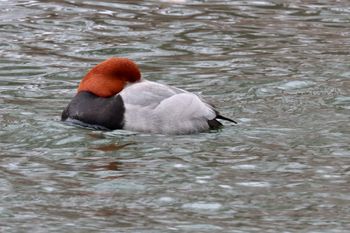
225,118
215,124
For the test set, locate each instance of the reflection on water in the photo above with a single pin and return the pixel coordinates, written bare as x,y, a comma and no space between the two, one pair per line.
280,69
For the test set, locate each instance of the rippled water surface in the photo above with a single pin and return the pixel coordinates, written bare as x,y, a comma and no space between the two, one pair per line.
280,69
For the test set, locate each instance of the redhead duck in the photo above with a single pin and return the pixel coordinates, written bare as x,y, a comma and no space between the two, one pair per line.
113,95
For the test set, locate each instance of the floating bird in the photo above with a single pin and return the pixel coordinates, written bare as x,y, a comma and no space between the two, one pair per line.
113,95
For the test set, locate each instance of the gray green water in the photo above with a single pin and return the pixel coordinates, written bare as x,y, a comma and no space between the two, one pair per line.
280,69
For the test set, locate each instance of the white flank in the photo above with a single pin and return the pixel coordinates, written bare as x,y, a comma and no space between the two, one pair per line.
157,108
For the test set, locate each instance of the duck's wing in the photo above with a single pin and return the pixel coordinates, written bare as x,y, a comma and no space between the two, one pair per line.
148,94
181,113
185,113
157,108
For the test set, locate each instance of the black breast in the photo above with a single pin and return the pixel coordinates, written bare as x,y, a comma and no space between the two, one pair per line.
96,111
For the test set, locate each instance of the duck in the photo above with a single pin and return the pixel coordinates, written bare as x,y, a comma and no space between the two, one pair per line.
114,96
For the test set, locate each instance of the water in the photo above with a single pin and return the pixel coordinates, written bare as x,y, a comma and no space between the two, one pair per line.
280,69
